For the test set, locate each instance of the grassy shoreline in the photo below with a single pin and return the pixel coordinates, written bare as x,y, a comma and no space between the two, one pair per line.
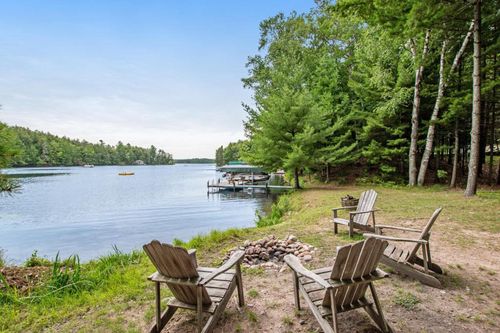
111,286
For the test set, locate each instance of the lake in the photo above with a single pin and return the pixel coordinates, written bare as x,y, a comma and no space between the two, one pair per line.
86,211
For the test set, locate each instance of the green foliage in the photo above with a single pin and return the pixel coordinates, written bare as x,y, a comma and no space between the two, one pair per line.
212,238
66,278
35,260
8,185
232,152
442,175
334,87
37,148
253,293
3,260
219,156
278,210
7,146
406,299
8,152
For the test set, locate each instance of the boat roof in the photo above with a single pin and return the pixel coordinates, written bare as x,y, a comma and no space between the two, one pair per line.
240,168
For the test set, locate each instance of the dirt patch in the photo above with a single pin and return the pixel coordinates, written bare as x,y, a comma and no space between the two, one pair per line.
22,278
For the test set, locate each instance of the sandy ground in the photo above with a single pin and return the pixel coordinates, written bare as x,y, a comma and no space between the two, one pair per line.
469,301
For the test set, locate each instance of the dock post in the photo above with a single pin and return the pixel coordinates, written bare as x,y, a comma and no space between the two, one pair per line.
234,187
267,188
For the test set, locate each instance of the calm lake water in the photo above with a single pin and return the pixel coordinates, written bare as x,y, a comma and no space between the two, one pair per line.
86,211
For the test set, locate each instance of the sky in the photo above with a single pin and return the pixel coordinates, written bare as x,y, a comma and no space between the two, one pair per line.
163,73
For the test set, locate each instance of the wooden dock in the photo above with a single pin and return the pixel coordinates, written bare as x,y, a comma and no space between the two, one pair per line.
223,186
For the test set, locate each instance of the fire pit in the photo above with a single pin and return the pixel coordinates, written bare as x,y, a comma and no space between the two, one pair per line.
273,250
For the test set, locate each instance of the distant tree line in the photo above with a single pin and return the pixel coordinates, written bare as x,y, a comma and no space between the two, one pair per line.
231,152
404,89
195,161
35,148
7,153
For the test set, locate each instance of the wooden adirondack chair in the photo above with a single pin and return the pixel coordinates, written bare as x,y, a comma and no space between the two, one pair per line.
358,218
196,288
407,261
332,290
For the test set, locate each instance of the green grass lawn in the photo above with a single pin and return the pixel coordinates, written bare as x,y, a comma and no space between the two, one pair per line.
107,290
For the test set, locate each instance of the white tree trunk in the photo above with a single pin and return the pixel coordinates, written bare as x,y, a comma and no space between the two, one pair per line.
432,124
412,157
476,105
435,113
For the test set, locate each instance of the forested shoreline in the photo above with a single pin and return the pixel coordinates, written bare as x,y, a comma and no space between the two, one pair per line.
404,90
30,148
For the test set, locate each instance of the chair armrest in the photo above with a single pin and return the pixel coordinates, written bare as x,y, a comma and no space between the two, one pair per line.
343,208
294,263
158,277
380,226
233,260
396,239
363,212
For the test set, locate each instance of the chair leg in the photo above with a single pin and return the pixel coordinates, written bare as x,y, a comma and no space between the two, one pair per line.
239,284
382,323
334,311
158,307
165,318
351,231
335,230
199,307
296,290
424,253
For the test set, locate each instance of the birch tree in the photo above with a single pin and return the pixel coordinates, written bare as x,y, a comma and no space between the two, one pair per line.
412,157
442,85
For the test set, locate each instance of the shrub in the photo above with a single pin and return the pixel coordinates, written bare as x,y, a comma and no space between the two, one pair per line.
442,175
66,275
35,260
213,238
3,261
278,209
406,299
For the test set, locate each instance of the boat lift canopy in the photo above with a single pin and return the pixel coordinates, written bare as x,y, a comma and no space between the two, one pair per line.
240,168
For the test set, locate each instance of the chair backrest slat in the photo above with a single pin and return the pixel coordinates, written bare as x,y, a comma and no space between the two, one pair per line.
426,231
175,262
171,261
366,202
353,262
340,260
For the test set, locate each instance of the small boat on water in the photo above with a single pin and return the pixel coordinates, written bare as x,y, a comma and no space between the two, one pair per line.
88,165
126,174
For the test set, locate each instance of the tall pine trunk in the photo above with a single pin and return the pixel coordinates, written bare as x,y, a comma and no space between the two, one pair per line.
432,124
492,125
412,167
453,181
476,105
296,178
